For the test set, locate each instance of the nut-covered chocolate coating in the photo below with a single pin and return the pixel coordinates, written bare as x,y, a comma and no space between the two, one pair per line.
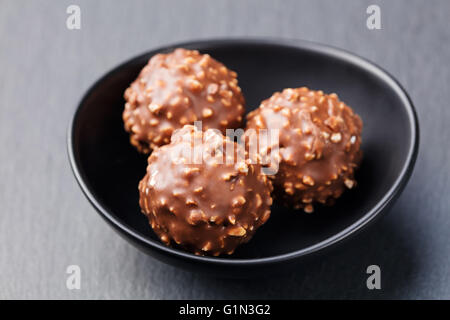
208,208
319,145
180,88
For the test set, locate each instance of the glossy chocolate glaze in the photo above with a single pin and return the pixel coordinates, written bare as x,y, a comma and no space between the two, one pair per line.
180,88
209,200
319,145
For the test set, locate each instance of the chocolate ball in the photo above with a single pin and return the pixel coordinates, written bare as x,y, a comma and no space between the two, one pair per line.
180,88
202,194
319,145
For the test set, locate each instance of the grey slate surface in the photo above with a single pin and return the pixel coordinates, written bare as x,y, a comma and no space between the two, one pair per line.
47,224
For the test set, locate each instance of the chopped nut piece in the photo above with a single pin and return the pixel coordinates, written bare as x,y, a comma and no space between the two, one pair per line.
309,156
349,183
207,246
336,137
242,167
198,190
153,107
207,112
225,102
258,201
237,232
289,191
238,201
325,134
265,216
308,180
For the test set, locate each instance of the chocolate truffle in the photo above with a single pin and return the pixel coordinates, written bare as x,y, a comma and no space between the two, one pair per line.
180,88
202,194
319,145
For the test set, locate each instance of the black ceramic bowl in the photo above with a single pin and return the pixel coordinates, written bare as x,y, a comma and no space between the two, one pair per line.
108,168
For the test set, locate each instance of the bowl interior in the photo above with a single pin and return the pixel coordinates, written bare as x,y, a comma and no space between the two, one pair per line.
111,168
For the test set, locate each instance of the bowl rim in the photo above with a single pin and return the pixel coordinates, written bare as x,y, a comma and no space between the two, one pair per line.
313,47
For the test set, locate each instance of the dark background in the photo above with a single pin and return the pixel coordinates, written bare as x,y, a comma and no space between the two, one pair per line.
46,223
